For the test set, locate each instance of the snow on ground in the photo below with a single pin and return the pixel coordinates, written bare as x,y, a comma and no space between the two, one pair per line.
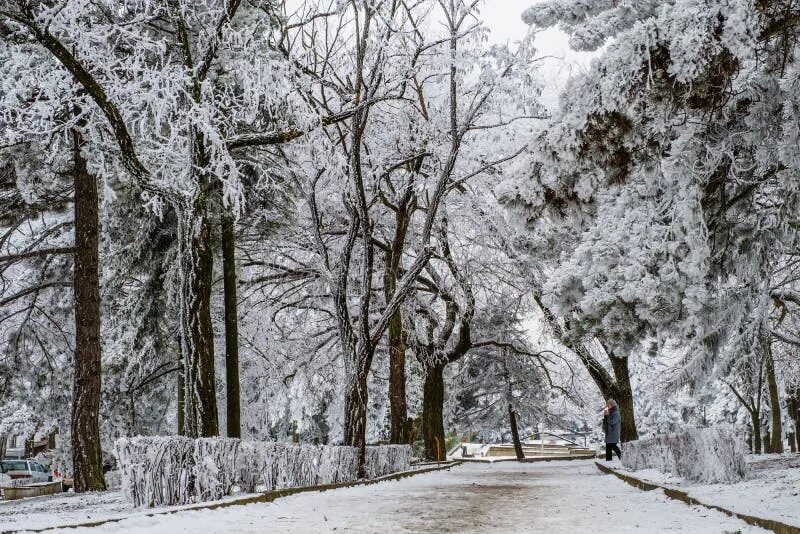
503,497
70,508
771,490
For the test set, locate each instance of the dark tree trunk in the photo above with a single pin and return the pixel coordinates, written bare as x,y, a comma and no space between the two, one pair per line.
234,428
87,461
355,419
624,398
767,442
755,419
432,408
398,431
181,405
776,440
794,414
512,418
398,410
203,404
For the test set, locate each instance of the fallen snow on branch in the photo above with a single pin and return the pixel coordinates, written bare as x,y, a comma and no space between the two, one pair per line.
159,471
710,455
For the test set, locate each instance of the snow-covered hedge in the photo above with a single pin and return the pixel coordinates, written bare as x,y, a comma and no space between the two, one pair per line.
711,455
387,459
159,471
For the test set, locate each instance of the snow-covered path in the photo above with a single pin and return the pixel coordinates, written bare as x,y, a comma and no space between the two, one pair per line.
505,497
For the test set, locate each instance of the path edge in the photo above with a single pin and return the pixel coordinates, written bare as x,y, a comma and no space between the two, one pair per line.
676,494
264,497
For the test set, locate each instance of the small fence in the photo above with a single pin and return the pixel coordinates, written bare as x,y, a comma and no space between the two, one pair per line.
165,471
710,455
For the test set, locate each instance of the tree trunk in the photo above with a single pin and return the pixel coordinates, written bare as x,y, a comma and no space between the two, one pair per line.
87,460
755,420
203,404
794,414
767,441
512,417
624,399
398,432
355,419
776,440
234,428
398,410
181,406
432,408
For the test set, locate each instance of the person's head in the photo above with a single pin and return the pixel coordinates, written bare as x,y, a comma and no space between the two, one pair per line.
611,405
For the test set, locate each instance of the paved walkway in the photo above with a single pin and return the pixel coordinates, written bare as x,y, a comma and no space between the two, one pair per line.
552,497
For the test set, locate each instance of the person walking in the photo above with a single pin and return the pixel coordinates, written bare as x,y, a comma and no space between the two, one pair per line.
612,425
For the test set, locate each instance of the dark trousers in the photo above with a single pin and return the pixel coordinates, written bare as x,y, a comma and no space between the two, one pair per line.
612,447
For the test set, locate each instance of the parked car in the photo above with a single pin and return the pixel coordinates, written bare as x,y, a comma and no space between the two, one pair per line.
25,468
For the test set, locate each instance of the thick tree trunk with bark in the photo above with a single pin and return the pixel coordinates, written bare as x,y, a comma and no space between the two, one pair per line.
355,419
181,406
755,420
87,459
398,410
432,412
776,440
233,420
512,418
398,431
624,398
203,404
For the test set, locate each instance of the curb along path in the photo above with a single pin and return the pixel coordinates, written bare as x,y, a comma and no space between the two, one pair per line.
672,493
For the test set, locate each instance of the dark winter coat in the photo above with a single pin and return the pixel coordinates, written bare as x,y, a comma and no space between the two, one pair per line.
612,425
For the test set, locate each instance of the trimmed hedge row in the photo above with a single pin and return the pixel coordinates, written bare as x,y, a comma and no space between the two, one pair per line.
711,455
174,470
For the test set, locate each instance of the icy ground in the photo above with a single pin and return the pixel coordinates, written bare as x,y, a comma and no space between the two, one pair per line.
502,497
771,490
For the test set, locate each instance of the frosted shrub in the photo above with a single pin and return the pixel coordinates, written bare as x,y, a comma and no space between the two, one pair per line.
338,464
709,455
256,466
215,461
159,471
387,459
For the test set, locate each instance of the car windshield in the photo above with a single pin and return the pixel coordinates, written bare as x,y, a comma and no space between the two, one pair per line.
14,466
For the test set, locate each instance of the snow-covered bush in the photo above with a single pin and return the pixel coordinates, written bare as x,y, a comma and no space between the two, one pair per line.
710,455
113,480
215,462
175,470
157,471
387,459
339,464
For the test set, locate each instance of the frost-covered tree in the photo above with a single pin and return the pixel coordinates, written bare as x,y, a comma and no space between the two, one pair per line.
663,195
